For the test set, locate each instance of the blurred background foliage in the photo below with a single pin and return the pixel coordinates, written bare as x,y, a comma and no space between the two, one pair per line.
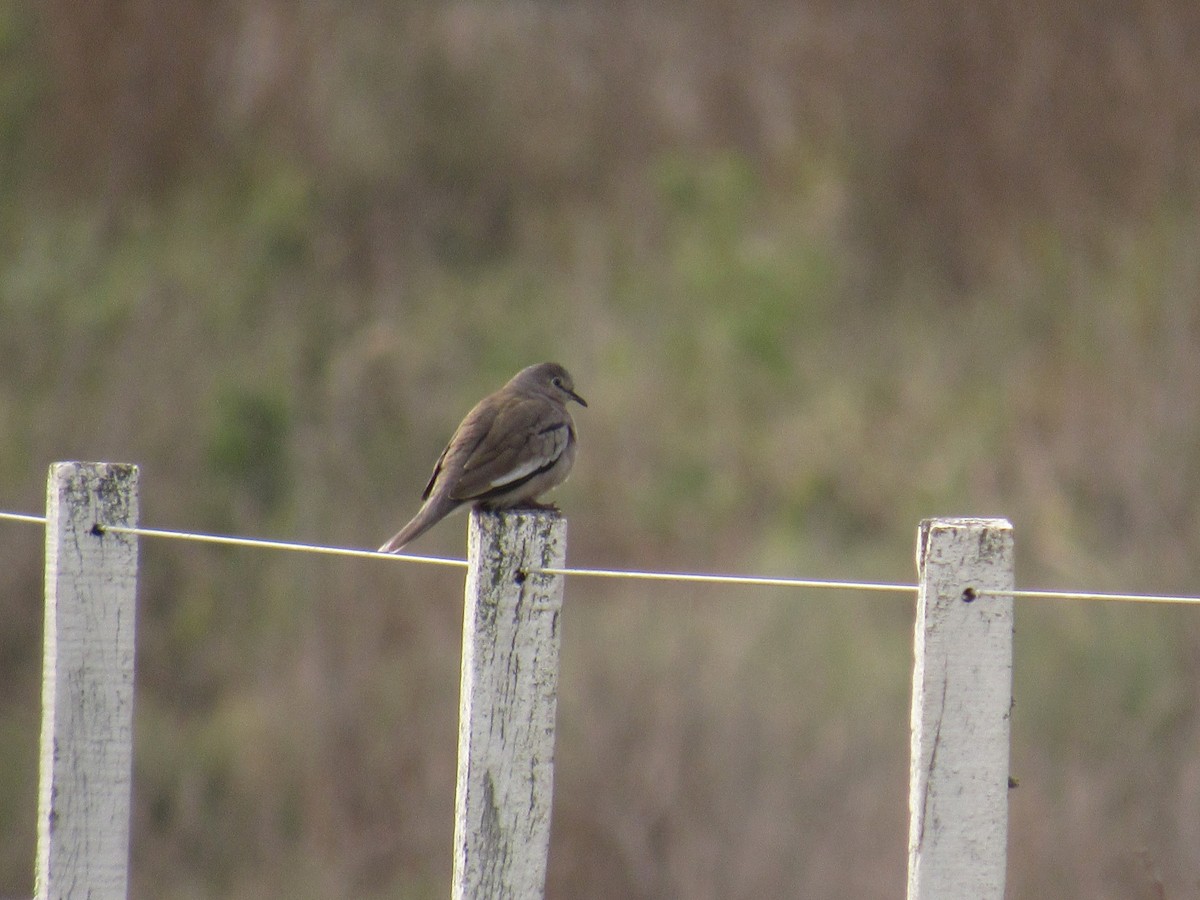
822,269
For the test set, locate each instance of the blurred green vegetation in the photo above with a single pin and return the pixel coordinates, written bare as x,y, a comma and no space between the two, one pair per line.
821,270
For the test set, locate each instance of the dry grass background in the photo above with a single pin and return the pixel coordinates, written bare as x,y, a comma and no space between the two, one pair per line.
821,269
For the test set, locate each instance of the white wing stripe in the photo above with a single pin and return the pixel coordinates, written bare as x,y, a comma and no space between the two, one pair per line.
526,468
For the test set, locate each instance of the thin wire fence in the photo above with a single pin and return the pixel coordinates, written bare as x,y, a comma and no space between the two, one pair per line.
679,577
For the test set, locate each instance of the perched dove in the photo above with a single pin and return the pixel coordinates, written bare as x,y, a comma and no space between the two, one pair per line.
515,445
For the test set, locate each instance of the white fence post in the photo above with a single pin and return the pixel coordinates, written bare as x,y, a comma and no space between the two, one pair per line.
87,683
962,698
507,707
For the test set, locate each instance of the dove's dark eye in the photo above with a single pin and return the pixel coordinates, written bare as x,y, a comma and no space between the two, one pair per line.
556,381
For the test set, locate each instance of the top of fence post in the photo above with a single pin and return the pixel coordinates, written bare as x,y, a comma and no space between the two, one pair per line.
87,683
508,702
962,698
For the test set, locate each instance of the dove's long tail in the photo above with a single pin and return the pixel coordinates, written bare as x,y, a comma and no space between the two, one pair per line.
434,510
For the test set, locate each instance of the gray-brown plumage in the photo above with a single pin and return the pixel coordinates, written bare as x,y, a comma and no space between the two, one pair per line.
515,445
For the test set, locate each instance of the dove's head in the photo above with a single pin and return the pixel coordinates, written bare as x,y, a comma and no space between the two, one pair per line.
550,379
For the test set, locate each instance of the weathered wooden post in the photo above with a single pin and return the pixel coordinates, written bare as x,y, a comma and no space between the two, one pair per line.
507,706
962,698
87,683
